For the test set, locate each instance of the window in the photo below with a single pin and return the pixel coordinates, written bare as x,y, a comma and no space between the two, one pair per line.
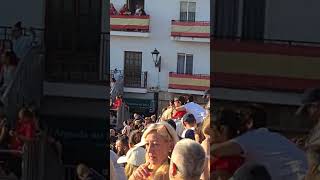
187,11
184,63
253,20
132,68
226,18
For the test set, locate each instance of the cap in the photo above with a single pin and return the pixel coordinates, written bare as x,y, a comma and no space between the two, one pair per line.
162,128
309,96
135,156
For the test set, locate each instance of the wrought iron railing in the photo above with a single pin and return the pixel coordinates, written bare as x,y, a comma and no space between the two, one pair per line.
38,41
136,79
26,86
39,160
133,79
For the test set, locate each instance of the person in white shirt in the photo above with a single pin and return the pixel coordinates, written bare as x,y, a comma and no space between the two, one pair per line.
119,169
282,158
193,108
22,44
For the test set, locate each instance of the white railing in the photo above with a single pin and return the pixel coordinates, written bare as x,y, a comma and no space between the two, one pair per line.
26,87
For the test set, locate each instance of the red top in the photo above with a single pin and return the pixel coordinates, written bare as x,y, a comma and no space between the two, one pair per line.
229,164
117,103
24,128
179,114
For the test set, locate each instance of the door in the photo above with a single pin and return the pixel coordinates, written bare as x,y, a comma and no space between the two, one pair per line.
72,40
132,69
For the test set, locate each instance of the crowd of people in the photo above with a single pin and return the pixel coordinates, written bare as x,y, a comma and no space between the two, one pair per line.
138,11
173,145
187,142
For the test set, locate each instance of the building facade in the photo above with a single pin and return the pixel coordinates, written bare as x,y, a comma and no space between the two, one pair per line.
180,31
266,52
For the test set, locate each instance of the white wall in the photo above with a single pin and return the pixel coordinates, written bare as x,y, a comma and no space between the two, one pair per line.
31,12
293,20
160,30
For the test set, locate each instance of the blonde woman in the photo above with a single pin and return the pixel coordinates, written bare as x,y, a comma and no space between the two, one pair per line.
159,140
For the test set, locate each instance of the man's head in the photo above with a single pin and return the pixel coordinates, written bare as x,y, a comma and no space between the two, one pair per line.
253,116
310,104
190,98
122,145
189,120
83,171
187,160
112,132
134,138
17,30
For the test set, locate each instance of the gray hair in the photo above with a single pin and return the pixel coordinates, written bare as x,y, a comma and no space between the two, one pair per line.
190,158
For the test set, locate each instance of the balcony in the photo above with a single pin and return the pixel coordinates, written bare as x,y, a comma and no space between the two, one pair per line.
198,31
277,65
132,26
188,82
133,81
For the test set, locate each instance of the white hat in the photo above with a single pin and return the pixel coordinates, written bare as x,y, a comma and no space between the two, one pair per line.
135,156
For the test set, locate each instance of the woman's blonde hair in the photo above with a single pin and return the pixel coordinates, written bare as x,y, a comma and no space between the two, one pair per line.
206,129
129,169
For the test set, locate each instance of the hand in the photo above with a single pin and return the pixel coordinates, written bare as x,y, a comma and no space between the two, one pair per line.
142,172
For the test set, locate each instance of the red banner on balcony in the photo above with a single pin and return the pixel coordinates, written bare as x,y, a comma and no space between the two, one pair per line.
123,23
200,29
189,82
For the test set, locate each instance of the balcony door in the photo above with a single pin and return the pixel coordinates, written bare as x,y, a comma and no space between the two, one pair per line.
132,4
132,69
73,39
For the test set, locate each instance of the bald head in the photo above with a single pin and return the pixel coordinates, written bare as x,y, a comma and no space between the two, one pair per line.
187,160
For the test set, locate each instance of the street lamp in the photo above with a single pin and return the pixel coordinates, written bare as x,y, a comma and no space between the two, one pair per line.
157,63
156,58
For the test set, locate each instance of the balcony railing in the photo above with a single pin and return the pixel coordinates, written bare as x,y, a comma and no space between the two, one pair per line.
133,79
197,82
6,36
130,23
198,29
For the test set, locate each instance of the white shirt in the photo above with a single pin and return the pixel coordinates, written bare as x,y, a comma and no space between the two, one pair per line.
179,127
283,159
8,75
22,46
198,111
119,169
